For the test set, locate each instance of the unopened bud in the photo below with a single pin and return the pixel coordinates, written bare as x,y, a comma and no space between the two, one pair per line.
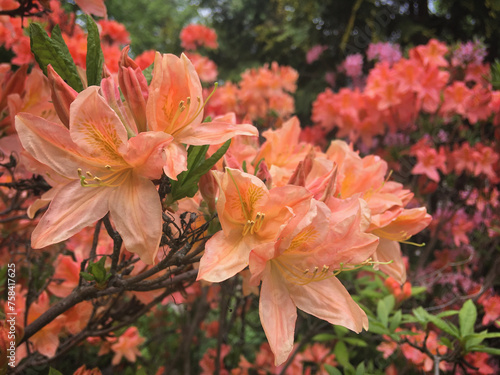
264,175
13,85
62,95
298,177
134,87
208,189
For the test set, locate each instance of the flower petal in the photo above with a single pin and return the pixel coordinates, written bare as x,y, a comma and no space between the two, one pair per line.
329,300
50,144
73,208
96,128
146,153
277,315
213,133
175,160
174,81
224,257
136,210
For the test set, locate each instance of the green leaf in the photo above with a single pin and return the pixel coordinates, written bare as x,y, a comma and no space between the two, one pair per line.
187,181
95,58
56,37
99,271
445,314
87,276
360,370
416,290
378,328
447,342
467,318
324,337
53,371
421,314
341,354
382,313
395,320
355,341
55,52
340,331
444,326
332,370
485,349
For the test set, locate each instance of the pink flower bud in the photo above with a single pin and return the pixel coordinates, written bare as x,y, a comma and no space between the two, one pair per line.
14,85
208,189
264,175
134,87
62,95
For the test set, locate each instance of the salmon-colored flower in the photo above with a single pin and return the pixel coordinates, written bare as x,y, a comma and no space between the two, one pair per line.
298,271
250,215
104,172
175,107
127,346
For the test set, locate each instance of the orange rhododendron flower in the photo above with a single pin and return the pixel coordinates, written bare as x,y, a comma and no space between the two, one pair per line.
104,172
175,107
298,271
250,215
127,346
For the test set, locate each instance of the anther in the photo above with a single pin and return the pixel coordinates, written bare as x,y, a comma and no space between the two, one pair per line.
89,174
107,166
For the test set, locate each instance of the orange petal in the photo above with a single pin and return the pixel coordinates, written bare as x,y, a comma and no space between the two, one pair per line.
73,208
278,315
136,210
329,300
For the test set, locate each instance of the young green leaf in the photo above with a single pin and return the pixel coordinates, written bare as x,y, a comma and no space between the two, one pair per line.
95,58
187,182
467,318
332,370
382,313
55,52
53,371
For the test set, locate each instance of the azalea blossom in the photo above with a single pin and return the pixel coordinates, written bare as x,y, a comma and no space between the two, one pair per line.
298,271
175,107
250,215
103,171
127,346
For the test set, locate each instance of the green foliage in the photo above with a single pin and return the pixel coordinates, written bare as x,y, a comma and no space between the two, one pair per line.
97,272
53,50
153,24
187,181
95,58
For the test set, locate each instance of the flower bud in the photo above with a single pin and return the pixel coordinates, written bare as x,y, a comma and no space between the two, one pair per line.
62,95
134,87
264,175
14,85
208,189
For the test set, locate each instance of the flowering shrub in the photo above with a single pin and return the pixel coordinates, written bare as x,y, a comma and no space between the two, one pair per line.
148,227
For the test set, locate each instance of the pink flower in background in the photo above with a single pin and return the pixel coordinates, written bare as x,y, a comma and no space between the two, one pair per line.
314,53
113,32
127,346
353,65
145,59
206,68
387,52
